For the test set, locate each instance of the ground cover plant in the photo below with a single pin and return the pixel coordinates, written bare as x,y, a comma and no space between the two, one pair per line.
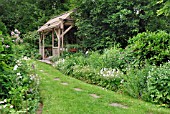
67,95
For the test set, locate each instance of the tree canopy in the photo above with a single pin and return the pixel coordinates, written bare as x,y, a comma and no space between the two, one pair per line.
27,15
100,23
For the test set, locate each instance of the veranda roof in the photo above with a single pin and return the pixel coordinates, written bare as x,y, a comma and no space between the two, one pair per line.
55,22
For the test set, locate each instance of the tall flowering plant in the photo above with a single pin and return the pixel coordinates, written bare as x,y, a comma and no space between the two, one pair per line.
15,35
18,81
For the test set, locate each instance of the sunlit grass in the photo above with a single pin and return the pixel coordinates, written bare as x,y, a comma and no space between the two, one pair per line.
63,99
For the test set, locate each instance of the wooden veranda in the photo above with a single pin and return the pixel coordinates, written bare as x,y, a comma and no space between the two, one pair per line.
58,26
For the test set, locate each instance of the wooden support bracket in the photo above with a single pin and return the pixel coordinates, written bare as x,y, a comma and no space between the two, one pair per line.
67,30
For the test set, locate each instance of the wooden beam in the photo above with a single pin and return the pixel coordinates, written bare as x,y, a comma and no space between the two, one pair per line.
57,34
61,23
46,32
67,30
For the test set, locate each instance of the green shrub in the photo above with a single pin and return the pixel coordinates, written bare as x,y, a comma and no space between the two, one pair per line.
3,28
18,81
89,68
152,47
116,58
158,84
30,44
151,83
85,73
135,81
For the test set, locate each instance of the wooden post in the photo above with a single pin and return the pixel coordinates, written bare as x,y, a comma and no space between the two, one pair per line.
53,43
62,38
43,46
40,43
62,35
59,36
58,32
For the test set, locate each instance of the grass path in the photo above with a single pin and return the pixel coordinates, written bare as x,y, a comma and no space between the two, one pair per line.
65,95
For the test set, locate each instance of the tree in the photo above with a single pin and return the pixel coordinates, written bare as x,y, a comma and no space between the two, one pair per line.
165,9
102,23
27,15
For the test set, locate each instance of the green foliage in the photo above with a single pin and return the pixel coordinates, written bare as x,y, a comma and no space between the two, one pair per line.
29,47
103,23
152,47
90,69
117,58
158,85
135,81
151,83
165,9
18,81
28,15
126,70
3,28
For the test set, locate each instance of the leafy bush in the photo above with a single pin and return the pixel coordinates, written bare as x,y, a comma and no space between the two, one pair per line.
89,68
18,81
29,46
117,58
158,83
152,47
151,83
135,81
3,28
85,73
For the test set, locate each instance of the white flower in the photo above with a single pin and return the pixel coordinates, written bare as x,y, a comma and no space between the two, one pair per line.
16,31
11,106
5,106
7,46
12,33
18,61
25,58
2,39
5,100
1,102
15,67
32,77
87,52
17,35
18,74
122,81
110,72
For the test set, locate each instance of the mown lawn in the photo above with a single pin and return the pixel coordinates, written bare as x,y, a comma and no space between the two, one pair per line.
60,97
